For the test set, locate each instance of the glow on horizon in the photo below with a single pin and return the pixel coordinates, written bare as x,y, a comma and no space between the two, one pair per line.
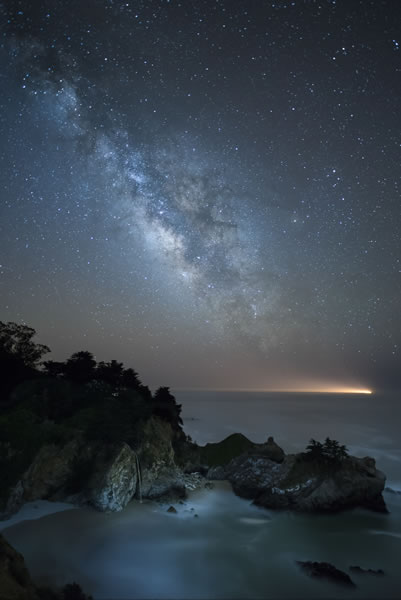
300,390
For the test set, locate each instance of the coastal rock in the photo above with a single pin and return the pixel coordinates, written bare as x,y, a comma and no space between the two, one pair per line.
103,475
171,509
360,571
236,450
324,570
114,483
302,485
15,581
218,455
49,471
160,476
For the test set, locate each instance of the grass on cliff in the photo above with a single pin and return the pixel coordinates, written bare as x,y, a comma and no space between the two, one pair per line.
216,454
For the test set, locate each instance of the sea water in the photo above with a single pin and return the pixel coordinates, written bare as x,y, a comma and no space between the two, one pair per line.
232,549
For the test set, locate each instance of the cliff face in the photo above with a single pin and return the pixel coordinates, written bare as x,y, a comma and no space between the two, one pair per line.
302,485
106,476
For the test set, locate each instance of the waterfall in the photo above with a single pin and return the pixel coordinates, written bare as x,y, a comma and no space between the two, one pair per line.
138,476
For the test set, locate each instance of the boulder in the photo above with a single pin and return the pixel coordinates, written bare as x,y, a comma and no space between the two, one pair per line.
324,570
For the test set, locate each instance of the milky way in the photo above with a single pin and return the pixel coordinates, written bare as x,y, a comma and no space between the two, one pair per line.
207,191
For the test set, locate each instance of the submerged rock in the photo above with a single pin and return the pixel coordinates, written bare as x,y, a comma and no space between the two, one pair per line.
324,570
359,570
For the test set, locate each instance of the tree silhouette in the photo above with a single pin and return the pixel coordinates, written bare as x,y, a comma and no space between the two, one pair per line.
110,373
19,356
16,342
166,407
130,379
80,367
330,453
52,368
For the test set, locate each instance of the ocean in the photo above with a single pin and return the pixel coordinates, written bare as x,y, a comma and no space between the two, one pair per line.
233,549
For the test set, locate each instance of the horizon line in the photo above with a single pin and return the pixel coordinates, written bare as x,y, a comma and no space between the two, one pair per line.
277,391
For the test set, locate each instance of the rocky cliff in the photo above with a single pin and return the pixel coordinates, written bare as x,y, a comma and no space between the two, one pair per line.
106,476
297,483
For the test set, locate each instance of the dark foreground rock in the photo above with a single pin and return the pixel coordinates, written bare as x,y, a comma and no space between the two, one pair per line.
391,491
16,582
298,483
327,571
360,571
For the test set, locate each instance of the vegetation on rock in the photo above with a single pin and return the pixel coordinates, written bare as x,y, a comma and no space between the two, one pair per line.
52,402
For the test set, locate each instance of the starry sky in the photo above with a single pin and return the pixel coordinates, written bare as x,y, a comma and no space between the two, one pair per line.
206,190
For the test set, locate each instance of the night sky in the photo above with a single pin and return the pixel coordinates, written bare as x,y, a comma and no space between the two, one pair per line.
208,191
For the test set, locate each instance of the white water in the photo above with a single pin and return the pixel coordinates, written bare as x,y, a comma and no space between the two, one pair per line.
233,549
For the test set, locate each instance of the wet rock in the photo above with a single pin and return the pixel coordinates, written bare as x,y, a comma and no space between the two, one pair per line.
171,509
327,571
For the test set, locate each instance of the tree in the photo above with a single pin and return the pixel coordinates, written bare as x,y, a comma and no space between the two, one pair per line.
130,379
52,368
333,451
166,407
16,342
314,449
19,356
330,453
110,373
80,367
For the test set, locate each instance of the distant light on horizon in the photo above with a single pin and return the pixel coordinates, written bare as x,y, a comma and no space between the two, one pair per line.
339,390
298,390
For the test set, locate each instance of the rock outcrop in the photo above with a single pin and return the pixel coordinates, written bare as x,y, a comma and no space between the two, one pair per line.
303,485
114,482
219,456
359,571
106,476
16,582
327,571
